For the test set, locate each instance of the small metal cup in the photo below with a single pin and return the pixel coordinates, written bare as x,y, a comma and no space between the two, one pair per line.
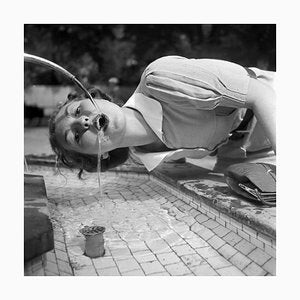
94,241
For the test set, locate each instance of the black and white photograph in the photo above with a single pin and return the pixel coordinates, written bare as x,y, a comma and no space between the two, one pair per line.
150,149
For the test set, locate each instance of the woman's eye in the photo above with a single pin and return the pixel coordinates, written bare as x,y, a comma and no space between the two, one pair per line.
76,137
77,111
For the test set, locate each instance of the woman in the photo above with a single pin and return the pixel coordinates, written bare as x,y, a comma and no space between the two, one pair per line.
181,108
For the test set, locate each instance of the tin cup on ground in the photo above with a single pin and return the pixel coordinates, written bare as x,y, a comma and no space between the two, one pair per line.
94,241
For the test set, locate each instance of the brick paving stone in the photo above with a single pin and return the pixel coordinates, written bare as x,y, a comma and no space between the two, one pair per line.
211,224
207,252
244,246
189,235
240,260
227,251
270,250
221,231
39,272
194,212
221,222
85,271
244,235
183,250
232,238
270,266
59,236
204,270
62,255
81,261
177,269
59,245
49,273
129,236
174,239
52,268
201,218
64,267
236,223
104,262
192,260
158,246
259,256
126,265
189,220
254,270
168,258
144,256
216,242
122,253
218,262
65,274
181,229
231,227
152,267
161,274
197,242
137,246
186,207
257,242
109,272
230,271
149,236
164,231
249,230
134,273
196,227
49,256
36,266
205,233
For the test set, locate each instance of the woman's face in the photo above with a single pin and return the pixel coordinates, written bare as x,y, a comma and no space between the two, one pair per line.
77,125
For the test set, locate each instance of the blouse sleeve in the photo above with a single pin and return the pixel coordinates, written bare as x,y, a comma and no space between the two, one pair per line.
196,83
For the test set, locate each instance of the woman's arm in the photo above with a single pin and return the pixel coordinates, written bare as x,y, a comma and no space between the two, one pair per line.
262,100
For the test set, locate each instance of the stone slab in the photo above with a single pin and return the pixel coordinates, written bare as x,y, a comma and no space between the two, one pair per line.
209,187
38,232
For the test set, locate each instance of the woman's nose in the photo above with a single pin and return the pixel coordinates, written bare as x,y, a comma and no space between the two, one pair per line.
84,122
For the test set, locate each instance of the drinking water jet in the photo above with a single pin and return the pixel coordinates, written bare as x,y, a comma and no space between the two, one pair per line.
94,246
47,63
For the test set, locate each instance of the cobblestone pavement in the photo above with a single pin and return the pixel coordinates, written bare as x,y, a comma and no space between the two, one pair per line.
149,231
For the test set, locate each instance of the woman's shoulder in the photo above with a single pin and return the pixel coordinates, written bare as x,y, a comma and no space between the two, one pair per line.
165,61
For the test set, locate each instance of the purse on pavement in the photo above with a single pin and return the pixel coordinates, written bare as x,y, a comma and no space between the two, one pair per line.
255,181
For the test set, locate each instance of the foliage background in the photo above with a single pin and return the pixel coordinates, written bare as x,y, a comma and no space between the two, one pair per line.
96,52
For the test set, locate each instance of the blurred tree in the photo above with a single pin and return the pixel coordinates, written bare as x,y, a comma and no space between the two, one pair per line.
96,52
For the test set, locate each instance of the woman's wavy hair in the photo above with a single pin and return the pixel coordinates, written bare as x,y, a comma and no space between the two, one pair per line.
81,161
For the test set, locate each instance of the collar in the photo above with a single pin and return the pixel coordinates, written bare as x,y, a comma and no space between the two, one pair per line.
150,109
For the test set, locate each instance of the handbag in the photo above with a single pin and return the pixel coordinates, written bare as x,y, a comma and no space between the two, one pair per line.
255,181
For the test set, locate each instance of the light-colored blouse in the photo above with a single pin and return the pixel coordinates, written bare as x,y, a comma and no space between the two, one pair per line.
182,99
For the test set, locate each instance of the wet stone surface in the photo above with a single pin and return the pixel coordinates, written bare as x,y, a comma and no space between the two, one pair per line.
148,231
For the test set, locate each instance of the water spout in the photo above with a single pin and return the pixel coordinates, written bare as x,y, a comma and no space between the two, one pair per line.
45,62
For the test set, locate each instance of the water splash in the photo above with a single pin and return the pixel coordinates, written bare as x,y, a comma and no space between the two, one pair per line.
101,138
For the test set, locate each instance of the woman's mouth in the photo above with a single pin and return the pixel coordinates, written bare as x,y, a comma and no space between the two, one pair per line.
101,122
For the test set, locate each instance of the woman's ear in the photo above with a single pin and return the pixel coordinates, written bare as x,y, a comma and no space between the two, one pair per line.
72,95
95,93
